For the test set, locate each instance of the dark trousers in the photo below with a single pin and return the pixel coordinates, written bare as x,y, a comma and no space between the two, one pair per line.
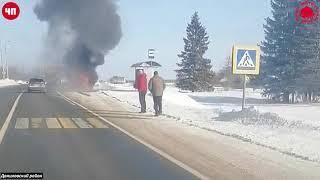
157,100
142,99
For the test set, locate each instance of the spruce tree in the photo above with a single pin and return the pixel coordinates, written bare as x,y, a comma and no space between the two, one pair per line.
279,70
194,71
308,54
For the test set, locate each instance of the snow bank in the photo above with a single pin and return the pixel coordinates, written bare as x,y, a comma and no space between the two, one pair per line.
7,82
115,87
303,113
124,87
172,96
290,129
236,93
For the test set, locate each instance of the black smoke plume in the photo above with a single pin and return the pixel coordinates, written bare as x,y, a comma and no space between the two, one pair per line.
81,33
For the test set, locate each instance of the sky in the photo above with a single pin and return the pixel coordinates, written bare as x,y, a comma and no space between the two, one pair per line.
160,25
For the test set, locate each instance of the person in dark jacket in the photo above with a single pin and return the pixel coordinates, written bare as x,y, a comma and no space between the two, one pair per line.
156,86
141,85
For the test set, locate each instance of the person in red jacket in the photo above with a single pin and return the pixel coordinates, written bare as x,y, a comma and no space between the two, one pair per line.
142,87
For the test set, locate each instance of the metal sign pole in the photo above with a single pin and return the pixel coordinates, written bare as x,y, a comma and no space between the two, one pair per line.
244,92
245,61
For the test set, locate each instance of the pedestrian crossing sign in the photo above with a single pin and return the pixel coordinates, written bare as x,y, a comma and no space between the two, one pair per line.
246,60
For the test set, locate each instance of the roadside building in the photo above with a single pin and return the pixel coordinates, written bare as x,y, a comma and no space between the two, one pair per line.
148,67
118,80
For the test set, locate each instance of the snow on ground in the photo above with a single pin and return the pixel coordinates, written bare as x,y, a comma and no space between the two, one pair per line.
114,87
7,82
300,137
306,114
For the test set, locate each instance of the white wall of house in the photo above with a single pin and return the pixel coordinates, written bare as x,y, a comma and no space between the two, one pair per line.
148,70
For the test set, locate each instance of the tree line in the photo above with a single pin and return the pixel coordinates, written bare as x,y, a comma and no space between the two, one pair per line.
290,67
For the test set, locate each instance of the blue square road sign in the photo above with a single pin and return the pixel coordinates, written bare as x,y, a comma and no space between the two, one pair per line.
246,60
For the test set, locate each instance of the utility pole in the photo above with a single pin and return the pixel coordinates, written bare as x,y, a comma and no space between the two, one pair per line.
5,65
6,60
2,62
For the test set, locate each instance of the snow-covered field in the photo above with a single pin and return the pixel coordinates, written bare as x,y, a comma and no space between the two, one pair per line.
7,82
297,134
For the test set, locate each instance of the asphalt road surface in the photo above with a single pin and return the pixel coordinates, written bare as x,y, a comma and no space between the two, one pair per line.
48,134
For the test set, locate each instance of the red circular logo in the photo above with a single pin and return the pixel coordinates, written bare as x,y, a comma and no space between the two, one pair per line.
10,10
307,12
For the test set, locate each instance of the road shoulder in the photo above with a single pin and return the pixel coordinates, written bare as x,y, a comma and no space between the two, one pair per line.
211,154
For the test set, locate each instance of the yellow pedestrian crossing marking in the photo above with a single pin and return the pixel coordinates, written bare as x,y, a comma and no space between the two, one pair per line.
67,123
53,123
59,123
97,123
22,123
36,122
81,123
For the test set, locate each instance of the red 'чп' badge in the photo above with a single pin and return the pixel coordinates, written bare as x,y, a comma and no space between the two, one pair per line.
307,12
10,10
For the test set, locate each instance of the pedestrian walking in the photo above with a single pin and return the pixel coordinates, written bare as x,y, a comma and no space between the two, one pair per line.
156,86
141,85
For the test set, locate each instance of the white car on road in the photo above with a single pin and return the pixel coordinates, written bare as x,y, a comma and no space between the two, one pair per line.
37,85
